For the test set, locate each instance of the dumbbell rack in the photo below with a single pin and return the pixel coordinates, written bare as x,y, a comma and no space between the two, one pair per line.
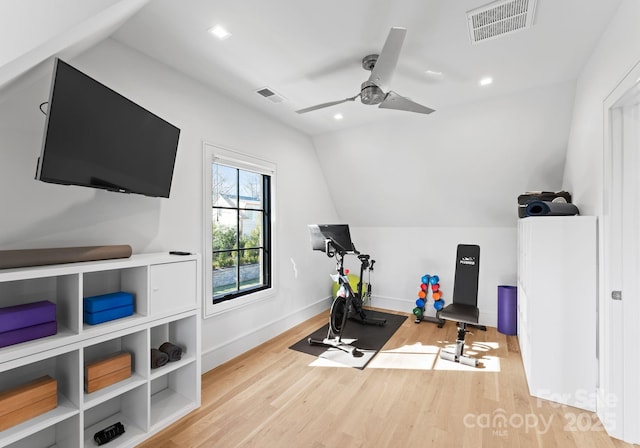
419,311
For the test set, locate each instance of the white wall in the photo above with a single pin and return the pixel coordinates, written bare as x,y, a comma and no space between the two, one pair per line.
37,214
414,188
16,38
36,30
457,167
615,55
403,255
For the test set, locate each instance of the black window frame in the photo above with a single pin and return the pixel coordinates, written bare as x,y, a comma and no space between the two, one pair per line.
267,238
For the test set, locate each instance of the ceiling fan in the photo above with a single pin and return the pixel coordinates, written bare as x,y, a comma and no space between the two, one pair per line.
375,90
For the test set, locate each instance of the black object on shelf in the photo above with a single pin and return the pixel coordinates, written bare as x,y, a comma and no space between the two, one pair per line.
179,252
109,433
549,196
174,352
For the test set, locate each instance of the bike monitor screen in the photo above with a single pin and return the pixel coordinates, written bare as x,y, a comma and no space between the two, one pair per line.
338,234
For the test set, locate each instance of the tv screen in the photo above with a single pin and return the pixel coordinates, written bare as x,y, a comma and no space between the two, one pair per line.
97,138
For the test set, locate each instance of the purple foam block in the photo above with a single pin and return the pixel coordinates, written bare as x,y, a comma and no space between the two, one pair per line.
26,315
28,333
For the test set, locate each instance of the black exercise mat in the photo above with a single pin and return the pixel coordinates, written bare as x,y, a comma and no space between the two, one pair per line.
370,339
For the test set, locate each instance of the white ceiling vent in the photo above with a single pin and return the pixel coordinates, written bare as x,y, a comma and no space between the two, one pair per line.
270,95
500,18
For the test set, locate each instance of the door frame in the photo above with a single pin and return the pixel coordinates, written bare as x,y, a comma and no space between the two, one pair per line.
618,339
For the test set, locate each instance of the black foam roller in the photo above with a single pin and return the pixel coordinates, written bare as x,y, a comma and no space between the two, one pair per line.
547,208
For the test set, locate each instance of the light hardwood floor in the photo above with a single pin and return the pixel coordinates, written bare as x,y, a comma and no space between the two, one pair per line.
272,397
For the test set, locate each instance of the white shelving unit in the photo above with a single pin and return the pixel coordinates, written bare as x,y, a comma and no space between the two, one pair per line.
166,291
557,282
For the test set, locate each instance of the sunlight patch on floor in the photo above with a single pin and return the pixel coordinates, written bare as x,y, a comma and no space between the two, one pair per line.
414,357
426,357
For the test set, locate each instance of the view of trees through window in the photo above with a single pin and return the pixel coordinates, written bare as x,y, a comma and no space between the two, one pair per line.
240,231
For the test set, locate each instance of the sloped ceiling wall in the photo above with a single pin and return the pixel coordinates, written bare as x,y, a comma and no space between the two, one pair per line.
35,30
460,167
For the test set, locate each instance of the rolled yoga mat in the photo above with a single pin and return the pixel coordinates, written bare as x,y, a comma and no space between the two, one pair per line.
39,257
546,208
173,351
158,358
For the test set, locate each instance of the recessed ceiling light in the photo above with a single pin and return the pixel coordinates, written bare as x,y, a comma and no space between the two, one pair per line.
220,32
338,116
485,81
433,73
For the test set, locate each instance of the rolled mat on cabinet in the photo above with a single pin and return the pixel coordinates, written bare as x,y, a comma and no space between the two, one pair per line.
546,208
40,257
530,196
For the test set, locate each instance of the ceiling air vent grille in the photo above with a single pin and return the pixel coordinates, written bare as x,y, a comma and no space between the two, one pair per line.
500,18
270,95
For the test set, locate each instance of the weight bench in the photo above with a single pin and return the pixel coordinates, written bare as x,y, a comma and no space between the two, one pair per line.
464,309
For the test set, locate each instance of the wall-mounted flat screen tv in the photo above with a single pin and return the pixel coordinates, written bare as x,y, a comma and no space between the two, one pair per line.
95,137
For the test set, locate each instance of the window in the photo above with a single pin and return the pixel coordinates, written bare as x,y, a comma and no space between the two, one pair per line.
238,228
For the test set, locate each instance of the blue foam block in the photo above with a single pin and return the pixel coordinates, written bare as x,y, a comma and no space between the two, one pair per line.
107,315
104,302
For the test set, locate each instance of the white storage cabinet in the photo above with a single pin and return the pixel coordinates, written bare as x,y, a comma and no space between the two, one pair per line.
166,291
557,307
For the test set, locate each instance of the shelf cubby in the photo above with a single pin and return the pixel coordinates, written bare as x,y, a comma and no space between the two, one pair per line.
131,409
63,290
136,344
173,394
178,332
133,280
64,369
64,434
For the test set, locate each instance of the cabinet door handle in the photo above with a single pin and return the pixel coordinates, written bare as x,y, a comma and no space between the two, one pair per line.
616,295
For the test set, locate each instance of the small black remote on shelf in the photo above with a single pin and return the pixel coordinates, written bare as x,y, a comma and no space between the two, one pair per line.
179,252
109,433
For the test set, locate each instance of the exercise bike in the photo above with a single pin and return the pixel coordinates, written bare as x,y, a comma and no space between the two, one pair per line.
335,241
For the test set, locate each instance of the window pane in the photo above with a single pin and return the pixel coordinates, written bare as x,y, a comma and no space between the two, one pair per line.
224,234
224,186
250,268
250,229
225,273
250,190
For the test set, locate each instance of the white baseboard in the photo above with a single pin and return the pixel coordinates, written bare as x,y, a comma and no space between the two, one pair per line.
222,353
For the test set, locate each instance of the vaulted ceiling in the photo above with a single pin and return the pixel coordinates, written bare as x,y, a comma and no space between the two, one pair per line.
310,52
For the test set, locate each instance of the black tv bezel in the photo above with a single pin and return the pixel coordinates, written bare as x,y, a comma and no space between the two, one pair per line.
114,188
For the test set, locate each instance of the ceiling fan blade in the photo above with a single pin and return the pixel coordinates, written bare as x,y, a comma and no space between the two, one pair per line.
329,104
385,65
398,102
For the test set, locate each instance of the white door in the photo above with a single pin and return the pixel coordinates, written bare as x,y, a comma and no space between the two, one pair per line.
619,308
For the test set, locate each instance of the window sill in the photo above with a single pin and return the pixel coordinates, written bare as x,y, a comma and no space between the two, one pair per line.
216,309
